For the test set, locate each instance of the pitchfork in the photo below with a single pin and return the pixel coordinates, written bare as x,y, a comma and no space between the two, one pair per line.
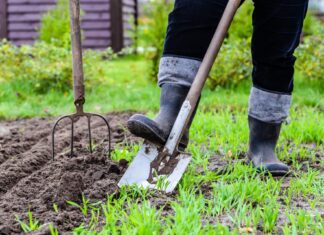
78,84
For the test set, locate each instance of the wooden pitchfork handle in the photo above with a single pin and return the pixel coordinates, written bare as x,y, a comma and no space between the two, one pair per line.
78,81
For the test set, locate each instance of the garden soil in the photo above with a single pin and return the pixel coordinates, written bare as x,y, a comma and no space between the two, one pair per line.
31,181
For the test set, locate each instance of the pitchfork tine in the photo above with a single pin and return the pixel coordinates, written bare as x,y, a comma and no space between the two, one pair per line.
109,133
53,133
72,136
89,129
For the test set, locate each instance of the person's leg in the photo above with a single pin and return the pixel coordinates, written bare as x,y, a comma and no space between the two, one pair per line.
277,27
191,26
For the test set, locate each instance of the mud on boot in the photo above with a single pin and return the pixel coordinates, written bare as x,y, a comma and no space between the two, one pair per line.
157,130
262,143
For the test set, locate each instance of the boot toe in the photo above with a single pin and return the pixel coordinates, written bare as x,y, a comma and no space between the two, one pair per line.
146,128
275,169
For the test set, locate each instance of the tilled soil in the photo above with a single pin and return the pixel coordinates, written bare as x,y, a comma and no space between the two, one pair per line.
31,180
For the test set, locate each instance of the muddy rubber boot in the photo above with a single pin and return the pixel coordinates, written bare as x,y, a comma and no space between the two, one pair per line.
263,140
157,130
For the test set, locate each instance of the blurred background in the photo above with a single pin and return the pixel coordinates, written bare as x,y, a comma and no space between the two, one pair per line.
123,42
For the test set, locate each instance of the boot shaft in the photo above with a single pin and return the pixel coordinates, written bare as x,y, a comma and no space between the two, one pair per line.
263,132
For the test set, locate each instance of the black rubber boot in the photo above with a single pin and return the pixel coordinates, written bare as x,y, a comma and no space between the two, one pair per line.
263,140
157,131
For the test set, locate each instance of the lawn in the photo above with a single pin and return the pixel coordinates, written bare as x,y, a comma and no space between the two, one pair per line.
219,193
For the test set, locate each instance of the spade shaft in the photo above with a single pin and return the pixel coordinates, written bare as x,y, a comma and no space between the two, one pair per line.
201,77
148,167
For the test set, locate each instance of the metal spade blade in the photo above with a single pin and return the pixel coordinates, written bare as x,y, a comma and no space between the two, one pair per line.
162,167
148,172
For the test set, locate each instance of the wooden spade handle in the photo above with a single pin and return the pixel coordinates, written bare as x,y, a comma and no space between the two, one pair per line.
212,51
194,93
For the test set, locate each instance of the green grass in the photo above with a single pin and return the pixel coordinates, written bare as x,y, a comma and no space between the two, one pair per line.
125,87
238,197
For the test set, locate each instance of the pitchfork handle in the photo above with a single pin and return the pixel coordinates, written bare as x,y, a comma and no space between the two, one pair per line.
78,84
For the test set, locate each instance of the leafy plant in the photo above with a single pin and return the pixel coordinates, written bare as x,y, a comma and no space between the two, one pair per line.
269,215
241,27
55,208
39,68
31,225
233,65
55,25
302,222
44,67
312,26
84,208
310,57
53,230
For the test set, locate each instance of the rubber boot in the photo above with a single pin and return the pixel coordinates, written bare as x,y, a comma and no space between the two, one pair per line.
157,130
263,140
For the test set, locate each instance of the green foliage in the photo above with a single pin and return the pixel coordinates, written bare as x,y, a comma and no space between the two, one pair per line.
55,25
310,57
241,27
232,65
269,215
37,68
53,230
312,26
303,222
44,67
152,31
31,225
85,207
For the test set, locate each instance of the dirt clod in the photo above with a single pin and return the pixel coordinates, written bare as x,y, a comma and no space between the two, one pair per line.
70,188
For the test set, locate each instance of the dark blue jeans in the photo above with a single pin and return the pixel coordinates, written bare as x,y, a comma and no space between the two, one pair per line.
277,25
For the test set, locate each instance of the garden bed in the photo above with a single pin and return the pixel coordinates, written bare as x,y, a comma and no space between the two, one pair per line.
31,181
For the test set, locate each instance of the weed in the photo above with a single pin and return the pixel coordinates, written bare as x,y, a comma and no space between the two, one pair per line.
269,215
55,208
31,225
53,230
302,222
84,208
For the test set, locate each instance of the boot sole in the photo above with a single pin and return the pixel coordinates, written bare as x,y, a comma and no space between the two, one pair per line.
273,173
266,171
144,131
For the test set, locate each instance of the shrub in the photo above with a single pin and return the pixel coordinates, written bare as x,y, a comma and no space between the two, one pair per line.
55,25
241,27
310,56
43,67
312,26
232,65
38,68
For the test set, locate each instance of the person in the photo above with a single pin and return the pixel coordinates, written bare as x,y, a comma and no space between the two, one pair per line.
277,27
